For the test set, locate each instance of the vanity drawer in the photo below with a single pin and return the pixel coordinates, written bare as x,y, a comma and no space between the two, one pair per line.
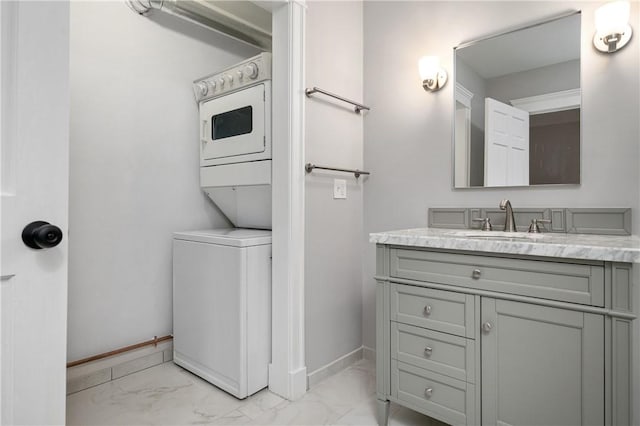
431,350
440,310
568,282
441,397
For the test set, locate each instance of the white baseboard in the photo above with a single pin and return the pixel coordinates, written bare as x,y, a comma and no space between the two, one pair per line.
369,353
292,387
334,367
104,370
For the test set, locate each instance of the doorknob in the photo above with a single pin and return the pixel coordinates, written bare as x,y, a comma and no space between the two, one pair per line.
39,235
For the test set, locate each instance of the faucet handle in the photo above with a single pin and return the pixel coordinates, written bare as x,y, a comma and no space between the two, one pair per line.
534,228
486,223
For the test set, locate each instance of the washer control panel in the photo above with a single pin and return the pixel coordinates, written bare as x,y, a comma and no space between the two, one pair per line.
246,73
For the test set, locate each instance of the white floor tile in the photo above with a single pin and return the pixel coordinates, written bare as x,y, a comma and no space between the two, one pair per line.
348,388
259,403
401,416
363,414
231,419
164,394
168,395
308,410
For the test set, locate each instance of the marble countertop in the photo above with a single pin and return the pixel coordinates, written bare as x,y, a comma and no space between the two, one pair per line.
571,246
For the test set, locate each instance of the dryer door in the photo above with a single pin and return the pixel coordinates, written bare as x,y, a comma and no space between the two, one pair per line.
233,125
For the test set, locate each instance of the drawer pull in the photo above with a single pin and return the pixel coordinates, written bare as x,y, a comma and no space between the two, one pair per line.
427,351
476,274
428,392
427,310
487,326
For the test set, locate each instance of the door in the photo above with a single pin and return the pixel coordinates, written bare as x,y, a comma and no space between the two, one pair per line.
34,69
506,143
234,124
541,365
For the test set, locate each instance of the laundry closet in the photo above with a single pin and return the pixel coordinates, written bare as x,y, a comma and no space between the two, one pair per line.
135,175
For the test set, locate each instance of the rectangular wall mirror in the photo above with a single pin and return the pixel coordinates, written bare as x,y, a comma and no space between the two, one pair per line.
517,107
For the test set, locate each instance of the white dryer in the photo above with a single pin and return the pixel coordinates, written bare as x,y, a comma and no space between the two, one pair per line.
235,140
222,307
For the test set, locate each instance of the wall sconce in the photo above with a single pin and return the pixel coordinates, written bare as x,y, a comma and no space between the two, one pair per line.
612,26
432,74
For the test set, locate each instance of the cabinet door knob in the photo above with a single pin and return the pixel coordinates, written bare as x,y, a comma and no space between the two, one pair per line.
487,326
427,310
427,351
476,274
428,392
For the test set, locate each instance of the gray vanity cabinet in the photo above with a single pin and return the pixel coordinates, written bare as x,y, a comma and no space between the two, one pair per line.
541,365
476,338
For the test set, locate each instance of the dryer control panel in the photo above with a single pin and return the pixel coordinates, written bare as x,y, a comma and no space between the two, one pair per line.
246,73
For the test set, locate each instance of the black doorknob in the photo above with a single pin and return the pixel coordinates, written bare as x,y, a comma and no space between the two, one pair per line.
39,235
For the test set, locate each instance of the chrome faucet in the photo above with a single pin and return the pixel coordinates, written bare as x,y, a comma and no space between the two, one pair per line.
509,220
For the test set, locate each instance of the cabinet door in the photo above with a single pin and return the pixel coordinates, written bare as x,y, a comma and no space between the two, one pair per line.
541,365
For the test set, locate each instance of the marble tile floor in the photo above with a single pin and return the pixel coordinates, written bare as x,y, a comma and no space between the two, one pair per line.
169,395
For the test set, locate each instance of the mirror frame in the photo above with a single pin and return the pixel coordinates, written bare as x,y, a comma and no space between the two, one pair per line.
514,29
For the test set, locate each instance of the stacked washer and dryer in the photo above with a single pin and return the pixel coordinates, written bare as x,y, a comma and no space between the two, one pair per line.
222,277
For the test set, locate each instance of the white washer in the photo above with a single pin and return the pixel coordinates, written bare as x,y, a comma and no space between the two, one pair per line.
222,307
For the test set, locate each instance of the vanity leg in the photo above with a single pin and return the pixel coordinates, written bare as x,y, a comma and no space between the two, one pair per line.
383,412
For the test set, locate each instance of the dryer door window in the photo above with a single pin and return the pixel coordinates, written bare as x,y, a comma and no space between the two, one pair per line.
232,123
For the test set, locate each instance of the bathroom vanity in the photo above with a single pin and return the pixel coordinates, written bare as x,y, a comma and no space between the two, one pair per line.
501,328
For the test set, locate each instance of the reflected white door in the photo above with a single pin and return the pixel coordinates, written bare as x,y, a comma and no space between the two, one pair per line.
34,69
506,145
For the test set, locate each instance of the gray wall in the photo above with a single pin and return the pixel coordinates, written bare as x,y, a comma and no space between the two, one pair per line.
333,228
538,81
134,167
408,132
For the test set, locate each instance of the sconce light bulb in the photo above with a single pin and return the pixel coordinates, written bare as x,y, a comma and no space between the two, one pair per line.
432,74
612,17
612,26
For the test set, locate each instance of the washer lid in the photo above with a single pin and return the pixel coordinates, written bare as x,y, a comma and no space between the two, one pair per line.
236,237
